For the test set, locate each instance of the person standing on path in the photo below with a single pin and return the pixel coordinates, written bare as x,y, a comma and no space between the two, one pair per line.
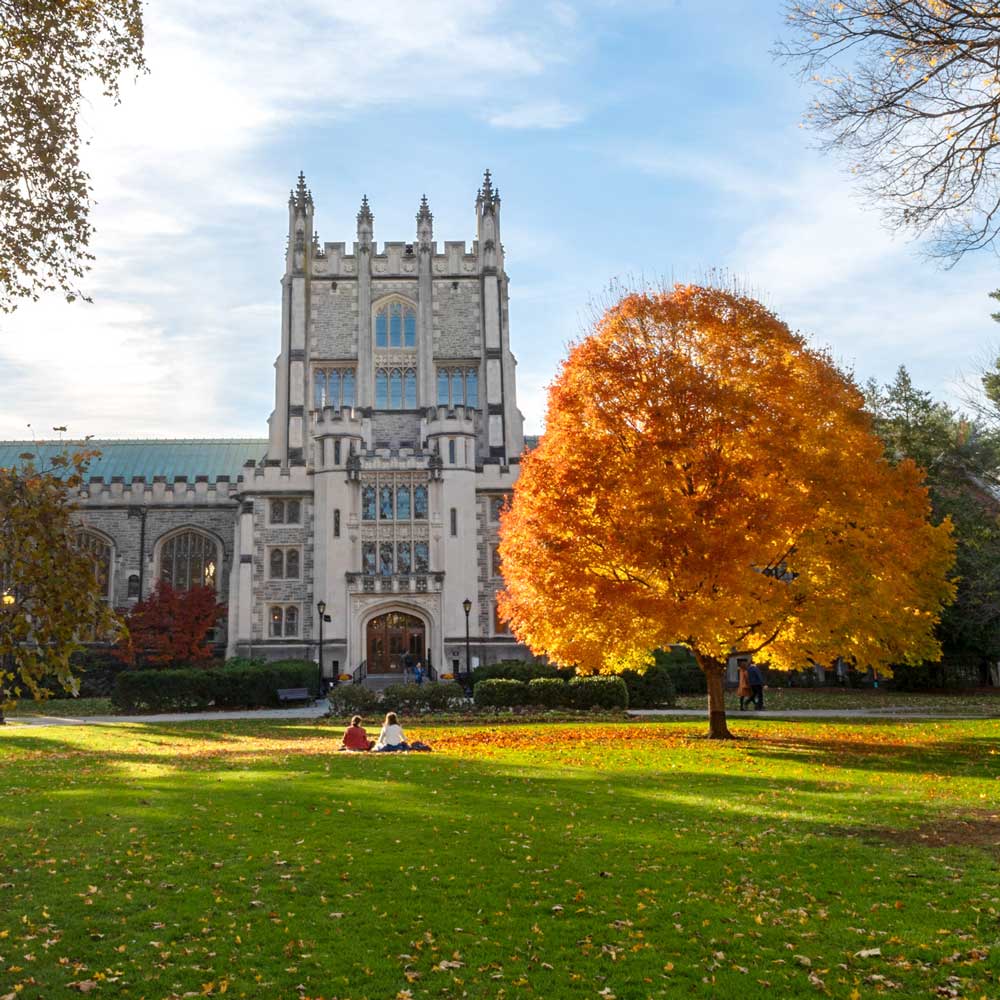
743,689
756,680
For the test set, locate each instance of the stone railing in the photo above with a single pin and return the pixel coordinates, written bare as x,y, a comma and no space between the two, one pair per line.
398,583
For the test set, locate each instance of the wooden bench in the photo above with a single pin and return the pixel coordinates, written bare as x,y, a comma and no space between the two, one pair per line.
294,694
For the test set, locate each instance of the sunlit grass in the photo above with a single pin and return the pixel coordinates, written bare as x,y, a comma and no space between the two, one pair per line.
579,860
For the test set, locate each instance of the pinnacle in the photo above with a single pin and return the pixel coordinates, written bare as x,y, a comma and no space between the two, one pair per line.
301,196
365,212
424,215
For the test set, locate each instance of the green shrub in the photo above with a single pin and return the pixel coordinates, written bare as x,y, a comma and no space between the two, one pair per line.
652,689
500,692
550,692
406,698
352,699
442,697
518,670
598,692
685,674
190,689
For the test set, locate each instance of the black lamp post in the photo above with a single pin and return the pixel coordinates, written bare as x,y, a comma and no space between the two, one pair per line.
321,608
467,607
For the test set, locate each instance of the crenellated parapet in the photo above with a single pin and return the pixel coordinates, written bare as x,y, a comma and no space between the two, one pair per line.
456,259
157,491
275,478
444,420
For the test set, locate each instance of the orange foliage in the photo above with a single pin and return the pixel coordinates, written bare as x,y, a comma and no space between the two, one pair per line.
707,478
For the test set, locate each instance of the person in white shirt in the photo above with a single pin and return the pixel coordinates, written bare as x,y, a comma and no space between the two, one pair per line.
391,737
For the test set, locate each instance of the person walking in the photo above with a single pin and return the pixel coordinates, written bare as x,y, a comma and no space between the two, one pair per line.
756,679
743,689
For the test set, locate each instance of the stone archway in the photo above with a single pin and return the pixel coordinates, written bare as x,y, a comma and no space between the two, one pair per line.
389,637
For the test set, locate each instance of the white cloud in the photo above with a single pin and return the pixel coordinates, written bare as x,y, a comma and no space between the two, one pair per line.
537,115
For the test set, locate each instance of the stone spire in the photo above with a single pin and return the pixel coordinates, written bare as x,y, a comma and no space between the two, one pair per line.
300,225
301,196
488,198
366,224
425,225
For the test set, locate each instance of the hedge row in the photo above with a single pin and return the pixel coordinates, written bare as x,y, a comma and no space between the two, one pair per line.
519,670
551,692
351,699
243,684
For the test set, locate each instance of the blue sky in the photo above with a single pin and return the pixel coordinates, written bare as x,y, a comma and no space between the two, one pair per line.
654,141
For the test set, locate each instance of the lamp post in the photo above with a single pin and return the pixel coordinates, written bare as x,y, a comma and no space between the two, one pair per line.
467,607
7,600
321,608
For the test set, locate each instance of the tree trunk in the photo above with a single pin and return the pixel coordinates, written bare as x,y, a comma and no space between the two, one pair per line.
715,673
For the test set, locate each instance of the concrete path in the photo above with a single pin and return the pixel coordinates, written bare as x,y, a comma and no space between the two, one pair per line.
320,708
315,711
819,713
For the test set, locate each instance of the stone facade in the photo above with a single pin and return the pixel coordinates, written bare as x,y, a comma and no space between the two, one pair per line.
419,413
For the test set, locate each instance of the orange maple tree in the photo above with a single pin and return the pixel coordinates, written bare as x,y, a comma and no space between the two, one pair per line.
708,478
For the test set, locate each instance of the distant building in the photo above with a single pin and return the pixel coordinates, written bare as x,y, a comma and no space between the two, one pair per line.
394,441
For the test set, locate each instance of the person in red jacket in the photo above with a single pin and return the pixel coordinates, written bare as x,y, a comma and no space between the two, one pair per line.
355,737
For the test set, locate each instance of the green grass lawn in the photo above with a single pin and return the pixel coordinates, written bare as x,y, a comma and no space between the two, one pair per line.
63,707
603,860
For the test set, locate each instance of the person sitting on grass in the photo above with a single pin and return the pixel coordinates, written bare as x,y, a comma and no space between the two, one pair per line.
355,738
392,738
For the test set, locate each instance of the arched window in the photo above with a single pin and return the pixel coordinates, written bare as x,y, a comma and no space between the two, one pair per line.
292,560
284,620
420,503
189,559
395,389
99,550
410,389
277,564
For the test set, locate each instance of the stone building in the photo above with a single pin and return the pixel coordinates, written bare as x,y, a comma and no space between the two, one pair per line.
394,440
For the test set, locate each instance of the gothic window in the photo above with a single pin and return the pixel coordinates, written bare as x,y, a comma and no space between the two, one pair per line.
292,561
496,507
451,451
381,389
336,452
396,326
403,503
403,557
284,620
420,503
410,389
382,329
368,503
99,551
385,503
421,557
368,558
333,387
189,559
458,387
395,389
500,626
133,586
277,564
286,512
495,566
336,523
284,564
385,558
409,328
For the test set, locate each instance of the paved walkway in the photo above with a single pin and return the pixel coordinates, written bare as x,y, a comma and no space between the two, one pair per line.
320,708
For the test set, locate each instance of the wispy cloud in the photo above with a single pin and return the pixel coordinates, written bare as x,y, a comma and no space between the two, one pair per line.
540,115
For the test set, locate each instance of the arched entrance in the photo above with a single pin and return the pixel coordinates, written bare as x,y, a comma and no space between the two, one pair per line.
390,637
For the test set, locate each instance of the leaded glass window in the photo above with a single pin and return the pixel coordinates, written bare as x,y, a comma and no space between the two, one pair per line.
381,389
410,389
189,559
403,563
421,557
395,389
443,396
420,503
458,386
284,620
496,562
409,328
99,551
291,621
385,503
367,503
395,325
403,503
333,387
292,560
348,386
385,558
382,329
472,388
368,558
293,512
277,622
277,564
496,507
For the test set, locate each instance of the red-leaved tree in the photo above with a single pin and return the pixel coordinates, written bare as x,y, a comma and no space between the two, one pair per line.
172,627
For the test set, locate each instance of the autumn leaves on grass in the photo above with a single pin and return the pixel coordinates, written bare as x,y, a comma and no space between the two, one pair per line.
708,478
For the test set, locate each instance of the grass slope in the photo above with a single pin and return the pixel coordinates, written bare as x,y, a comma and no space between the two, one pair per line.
627,861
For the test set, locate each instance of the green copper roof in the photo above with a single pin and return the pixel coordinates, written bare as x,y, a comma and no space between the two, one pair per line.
212,457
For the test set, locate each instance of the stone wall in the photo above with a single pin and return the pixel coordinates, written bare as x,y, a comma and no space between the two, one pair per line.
457,319
334,326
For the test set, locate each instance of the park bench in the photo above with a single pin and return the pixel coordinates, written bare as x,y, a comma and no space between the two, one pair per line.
294,694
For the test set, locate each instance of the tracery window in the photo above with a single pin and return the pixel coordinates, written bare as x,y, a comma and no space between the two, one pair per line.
286,512
394,507
189,559
100,552
420,503
458,386
284,620
396,326
395,388
333,387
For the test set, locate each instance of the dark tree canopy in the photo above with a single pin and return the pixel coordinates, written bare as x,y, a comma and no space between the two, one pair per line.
909,91
49,49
